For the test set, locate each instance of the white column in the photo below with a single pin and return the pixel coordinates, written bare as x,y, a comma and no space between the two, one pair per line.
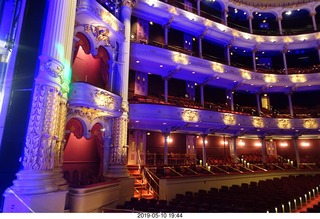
165,148
204,152
120,124
200,46
235,149
250,23
254,60
290,104
314,23
198,7
295,145
46,127
228,54
166,89
258,103
230,99
263,148
166,30
285,61
202,95
225,17
280,25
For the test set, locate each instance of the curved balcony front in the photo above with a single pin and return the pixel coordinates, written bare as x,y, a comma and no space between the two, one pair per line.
193,24
167,63
103,102
157,117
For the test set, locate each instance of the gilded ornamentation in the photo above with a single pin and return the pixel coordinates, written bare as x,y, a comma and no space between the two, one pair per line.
270,78
217,67
100,33
89,113
310,124
103,99
41,135
119,136
229,119
246,75
60,132
298,78
257,122
284,123
108,18
179,58
190,116
52,66
125,106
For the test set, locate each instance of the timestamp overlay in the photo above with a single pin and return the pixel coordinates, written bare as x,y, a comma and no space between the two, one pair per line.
159,215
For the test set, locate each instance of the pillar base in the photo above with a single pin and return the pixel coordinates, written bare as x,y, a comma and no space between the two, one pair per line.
59,180
34,182
53,202
117,171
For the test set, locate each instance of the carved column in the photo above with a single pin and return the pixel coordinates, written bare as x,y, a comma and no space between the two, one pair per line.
69,8
43,140
118,158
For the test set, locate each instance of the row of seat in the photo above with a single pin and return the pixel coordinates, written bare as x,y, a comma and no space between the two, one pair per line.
285,194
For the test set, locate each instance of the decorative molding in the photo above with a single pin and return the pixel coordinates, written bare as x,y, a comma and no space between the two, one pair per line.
89,113
119,137
190,115
180,58
42,129
310,124
52,66
257,122
229,119
284,123
100,33
103,99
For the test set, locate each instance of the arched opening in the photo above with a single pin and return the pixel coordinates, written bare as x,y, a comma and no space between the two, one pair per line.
82,160
92,69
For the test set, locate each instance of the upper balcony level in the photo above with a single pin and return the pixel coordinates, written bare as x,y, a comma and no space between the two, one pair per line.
261,18
172,64
169,16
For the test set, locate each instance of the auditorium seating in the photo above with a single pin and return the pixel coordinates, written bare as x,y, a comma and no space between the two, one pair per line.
271,195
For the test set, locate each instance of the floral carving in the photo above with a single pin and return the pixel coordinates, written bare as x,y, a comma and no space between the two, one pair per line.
52,66
257,122
229,119
190,116
284,123
41,135
310,124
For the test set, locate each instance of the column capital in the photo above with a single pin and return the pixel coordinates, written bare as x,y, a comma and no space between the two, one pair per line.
51,69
